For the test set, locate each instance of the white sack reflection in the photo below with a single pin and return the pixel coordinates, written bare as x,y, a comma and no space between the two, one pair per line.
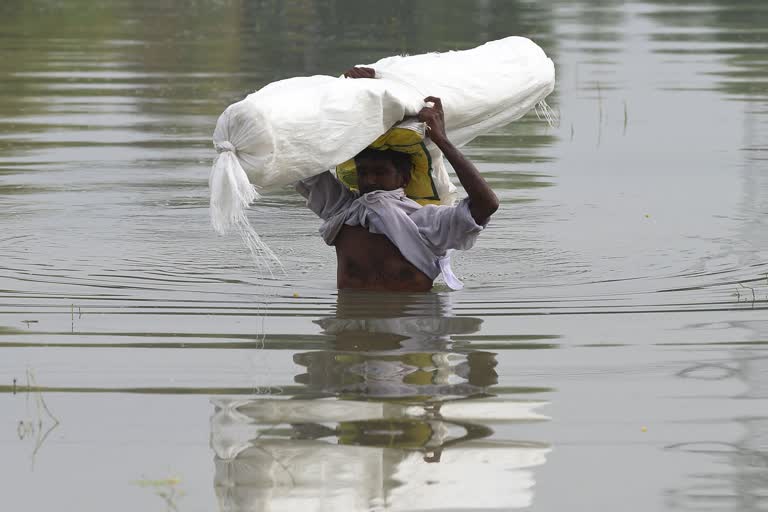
404,418
266,459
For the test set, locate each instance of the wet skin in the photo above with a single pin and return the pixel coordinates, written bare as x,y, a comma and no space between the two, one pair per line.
369,261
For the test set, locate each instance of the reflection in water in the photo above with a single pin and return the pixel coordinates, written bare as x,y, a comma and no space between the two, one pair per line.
399,406
743,483
39,421
402,349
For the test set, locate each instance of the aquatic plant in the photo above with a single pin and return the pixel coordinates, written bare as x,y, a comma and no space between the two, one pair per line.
165,488
33,426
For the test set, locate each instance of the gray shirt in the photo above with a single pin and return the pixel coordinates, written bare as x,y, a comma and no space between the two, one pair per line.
424,235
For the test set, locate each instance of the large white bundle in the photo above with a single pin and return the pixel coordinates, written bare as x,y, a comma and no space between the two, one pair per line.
296,128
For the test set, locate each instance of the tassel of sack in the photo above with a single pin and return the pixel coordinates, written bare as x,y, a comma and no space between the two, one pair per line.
231,191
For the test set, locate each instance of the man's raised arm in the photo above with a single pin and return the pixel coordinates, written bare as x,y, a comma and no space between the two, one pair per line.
482,200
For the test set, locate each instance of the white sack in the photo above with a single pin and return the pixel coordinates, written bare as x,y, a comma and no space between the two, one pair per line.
296,128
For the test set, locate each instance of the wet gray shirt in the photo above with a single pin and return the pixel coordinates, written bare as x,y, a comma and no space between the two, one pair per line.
425,235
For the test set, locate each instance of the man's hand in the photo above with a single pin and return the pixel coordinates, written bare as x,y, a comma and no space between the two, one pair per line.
360,72
435,120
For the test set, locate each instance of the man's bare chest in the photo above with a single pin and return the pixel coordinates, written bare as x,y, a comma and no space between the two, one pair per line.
371,261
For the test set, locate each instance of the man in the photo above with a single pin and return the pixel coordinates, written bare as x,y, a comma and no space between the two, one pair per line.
385,241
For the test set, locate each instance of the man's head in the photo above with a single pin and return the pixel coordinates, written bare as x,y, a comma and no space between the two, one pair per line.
382,170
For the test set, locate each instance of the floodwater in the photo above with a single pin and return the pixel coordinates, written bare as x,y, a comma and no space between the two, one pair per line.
609,351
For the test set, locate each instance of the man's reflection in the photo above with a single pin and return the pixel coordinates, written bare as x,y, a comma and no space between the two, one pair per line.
392,394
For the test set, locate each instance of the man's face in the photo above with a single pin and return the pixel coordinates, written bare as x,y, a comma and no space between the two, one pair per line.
377,175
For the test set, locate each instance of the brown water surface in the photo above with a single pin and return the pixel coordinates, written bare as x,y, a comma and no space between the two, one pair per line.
609,351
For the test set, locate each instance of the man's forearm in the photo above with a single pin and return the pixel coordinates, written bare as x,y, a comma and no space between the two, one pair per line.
482,200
